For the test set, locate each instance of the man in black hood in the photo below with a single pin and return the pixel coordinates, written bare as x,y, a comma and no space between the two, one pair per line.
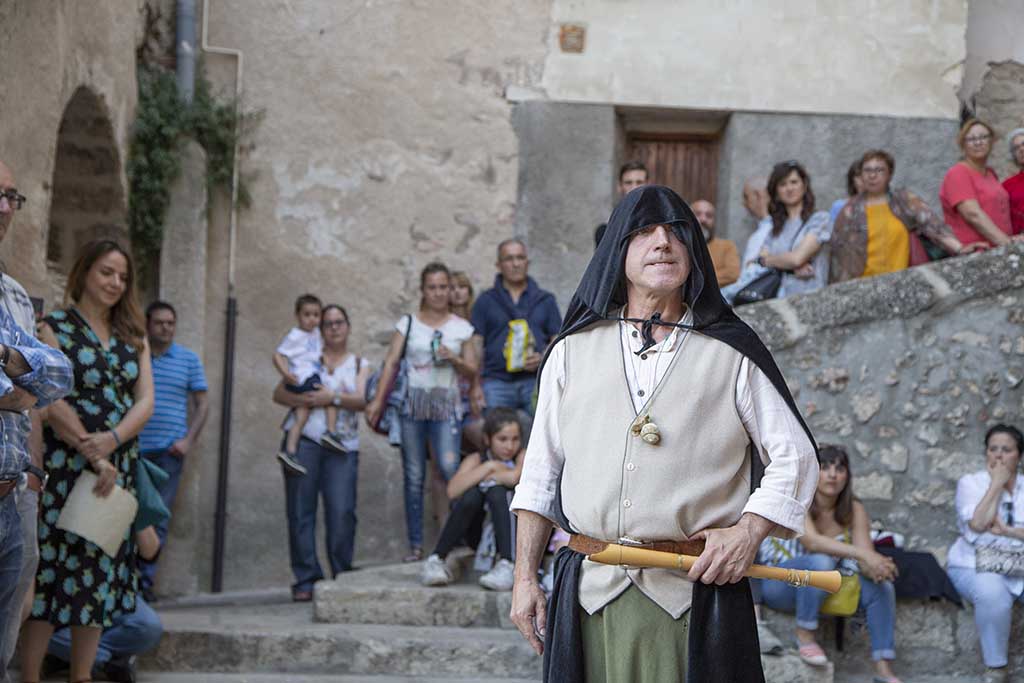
656,404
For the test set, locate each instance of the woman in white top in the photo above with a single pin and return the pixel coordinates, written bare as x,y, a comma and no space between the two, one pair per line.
331,473
990,513
437,352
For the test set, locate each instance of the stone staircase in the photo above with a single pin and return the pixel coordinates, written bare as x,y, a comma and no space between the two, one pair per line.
376,625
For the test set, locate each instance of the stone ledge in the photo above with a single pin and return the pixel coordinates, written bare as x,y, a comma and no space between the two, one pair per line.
932,637
782,323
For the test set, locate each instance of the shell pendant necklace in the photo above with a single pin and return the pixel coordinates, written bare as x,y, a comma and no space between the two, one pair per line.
643,426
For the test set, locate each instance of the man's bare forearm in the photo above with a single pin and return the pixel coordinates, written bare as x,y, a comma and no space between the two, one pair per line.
532,533
35,439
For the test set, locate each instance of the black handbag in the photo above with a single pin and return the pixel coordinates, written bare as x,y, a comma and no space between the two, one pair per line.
763,288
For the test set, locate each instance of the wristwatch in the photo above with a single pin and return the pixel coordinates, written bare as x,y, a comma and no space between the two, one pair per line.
42,475
336,401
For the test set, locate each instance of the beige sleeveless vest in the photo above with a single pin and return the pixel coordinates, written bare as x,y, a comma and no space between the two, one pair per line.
615,485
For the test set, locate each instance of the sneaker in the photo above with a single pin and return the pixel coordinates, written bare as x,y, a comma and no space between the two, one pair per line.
500,577
999,675
811,653
332,440
120,669
770,644
436,572
291,465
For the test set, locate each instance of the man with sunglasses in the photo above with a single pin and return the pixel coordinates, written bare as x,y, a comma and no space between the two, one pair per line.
31,376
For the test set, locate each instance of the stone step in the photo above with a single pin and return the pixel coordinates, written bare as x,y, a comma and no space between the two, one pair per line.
283,641
208,677
932,639
392,594
283,638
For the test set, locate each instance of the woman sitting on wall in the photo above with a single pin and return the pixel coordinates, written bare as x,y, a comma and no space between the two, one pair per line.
875,231
990,517
838,535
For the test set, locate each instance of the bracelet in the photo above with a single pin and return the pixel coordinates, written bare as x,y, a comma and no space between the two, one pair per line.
117,439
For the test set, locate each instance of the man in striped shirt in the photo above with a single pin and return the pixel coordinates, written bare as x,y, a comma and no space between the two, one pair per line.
169,436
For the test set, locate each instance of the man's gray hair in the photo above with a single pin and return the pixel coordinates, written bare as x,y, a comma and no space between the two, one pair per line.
511,240
1009,138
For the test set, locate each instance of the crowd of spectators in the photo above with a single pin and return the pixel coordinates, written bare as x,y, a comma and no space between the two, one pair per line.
98,396
877,228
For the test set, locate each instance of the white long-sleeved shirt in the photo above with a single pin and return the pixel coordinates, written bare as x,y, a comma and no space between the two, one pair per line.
791,468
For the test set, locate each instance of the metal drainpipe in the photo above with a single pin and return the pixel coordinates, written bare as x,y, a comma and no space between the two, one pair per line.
185,66
220,515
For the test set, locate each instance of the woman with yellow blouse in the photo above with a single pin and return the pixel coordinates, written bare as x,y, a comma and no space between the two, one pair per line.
876,230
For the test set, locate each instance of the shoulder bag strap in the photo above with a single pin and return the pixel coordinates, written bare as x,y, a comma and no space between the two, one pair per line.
405,341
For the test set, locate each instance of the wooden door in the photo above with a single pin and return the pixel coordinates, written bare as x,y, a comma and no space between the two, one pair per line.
689,165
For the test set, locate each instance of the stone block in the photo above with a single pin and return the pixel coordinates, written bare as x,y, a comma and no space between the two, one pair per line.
873,486
895,457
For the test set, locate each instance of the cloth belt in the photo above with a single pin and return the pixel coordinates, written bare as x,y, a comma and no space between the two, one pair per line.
6,486
590,546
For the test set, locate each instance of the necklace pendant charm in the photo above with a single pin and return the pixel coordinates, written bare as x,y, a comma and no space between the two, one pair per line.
650,433
638,424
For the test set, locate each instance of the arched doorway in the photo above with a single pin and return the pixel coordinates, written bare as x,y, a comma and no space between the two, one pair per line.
88,188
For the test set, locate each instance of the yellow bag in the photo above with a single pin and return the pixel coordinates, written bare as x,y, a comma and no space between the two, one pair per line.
843,603
518,345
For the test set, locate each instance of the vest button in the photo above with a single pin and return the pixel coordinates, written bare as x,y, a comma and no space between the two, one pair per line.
634,333
640,392
626,503
630,467
643,357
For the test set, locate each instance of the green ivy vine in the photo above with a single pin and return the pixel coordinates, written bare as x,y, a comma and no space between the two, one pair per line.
154,157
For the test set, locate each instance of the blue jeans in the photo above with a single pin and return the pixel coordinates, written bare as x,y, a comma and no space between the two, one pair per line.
11,541
515,394
332,476
878,600
444,437
993,603
132,633
172,465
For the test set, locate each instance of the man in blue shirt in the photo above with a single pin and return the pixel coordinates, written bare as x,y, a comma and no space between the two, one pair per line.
169,436
500,316
32,375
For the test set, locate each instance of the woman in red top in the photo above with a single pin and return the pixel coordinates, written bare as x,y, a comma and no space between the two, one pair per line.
1015,184
974,204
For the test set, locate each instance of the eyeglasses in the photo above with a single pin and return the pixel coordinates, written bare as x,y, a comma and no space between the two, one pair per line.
14,200
330,324
978,139
1008,506
874,170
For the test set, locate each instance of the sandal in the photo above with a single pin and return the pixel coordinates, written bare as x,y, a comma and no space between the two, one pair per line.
302,596
885,679
415,555
811,653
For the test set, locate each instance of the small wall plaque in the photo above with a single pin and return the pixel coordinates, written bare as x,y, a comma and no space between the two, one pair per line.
572,37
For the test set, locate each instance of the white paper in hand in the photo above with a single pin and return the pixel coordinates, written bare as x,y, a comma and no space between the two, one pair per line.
103,521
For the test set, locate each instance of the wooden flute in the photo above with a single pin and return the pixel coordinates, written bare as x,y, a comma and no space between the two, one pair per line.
642,557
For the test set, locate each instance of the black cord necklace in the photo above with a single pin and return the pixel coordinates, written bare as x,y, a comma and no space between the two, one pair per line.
647,328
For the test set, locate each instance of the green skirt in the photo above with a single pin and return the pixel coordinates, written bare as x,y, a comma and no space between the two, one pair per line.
633,640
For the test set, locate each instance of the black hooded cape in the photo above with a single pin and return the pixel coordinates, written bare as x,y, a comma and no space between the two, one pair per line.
723,645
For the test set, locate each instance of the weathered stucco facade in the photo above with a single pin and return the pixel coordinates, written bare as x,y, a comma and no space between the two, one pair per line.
65,117
395,133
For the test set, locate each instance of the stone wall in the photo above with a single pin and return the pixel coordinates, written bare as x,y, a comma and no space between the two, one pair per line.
54,52
907,371
386,143
898,59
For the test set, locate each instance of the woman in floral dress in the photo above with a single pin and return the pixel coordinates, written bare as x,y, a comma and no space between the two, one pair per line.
95,426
